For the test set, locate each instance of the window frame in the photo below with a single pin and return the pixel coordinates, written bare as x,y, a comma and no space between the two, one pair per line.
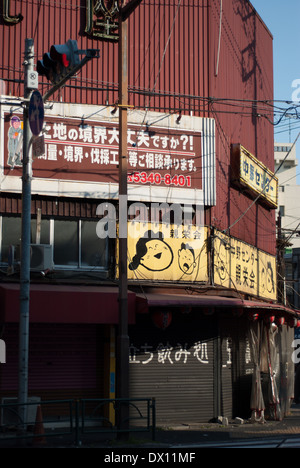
60,267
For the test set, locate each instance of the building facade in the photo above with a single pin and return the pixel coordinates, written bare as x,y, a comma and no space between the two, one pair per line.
204,319
286,164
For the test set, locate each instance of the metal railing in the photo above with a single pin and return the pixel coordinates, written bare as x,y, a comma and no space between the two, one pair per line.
142,416
73,421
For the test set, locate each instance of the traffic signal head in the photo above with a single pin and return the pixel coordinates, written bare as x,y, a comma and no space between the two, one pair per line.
47,67
61,60
59,53
65,54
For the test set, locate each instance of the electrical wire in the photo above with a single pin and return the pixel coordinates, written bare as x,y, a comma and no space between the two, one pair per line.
245,107
262,192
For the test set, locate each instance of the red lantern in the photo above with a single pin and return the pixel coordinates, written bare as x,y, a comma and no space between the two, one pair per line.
292,322
253,316
269,318
162,318
280,321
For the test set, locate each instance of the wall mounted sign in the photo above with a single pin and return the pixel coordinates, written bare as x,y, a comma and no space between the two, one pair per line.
246,269
249,173
89,151
161,252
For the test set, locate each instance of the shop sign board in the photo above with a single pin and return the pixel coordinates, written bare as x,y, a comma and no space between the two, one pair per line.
244,268
254,176
163,252
89,151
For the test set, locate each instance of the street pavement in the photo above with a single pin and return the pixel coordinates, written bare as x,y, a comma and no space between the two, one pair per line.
189,437
271,434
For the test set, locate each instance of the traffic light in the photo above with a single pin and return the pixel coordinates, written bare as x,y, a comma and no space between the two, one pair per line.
59,62
47,68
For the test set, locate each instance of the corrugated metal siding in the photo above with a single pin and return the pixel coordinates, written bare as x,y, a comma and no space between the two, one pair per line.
168,53
161,58
244,72
11,204
182,385
172,53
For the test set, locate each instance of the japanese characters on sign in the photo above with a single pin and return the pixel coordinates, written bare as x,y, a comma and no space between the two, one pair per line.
83,151
168,354
167,252
255,176
171,354
244,268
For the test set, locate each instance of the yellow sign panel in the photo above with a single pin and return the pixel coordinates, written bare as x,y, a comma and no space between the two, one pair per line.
257,177
240,266
267,276
161,252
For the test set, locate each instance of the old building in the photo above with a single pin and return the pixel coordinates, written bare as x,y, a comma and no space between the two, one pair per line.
205,326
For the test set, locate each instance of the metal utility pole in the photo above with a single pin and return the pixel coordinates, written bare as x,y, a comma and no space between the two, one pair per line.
123,339
25,243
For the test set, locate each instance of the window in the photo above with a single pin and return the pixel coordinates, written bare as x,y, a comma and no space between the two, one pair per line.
11,235
44,234
66,243
75,242
282,149
93,249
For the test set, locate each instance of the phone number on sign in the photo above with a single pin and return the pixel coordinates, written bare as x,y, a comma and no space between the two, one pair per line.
157,179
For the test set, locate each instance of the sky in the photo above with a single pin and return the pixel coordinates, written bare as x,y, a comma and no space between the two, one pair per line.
282,19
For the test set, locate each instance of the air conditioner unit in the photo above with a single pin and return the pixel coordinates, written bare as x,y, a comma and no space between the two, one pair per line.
9,413
41,257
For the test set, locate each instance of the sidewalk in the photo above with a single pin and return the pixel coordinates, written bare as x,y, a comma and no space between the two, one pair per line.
183,434
212,432
202,433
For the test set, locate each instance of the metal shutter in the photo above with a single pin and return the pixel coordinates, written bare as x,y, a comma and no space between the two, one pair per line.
227,333
176,366
242,370
63,361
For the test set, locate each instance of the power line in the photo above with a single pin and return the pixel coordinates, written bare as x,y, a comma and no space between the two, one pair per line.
262,192
261,106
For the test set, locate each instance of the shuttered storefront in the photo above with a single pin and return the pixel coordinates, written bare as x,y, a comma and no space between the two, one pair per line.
227,340
65,361
236,366
175,365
